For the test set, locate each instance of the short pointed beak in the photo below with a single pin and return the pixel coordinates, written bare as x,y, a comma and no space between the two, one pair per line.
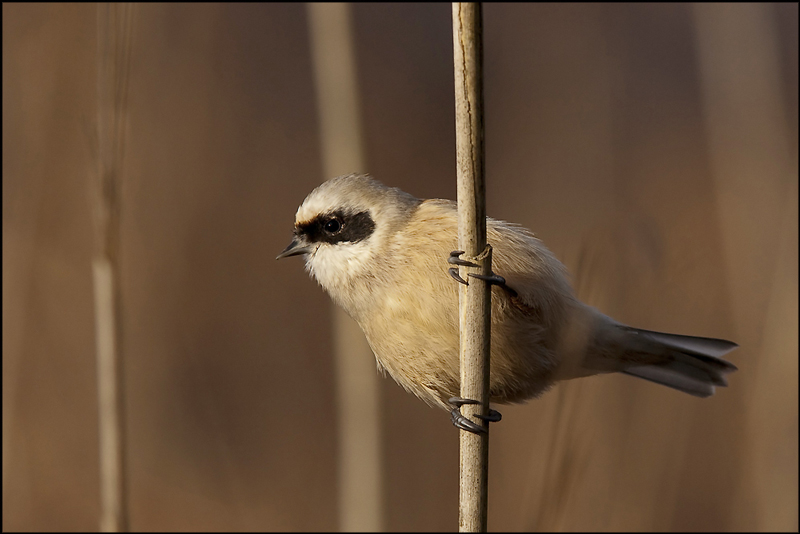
295,247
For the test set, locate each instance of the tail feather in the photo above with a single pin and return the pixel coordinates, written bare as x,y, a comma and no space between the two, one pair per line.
692,364
703,347
675,375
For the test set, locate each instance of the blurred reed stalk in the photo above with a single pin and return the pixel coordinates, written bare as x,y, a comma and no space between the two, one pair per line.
475,298
360,478
114,29
754,166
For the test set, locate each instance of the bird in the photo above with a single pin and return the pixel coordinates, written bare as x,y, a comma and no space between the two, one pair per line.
383,256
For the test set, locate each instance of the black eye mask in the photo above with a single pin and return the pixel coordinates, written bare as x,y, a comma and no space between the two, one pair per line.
337,227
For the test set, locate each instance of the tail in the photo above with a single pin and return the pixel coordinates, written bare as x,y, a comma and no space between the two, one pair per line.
693,365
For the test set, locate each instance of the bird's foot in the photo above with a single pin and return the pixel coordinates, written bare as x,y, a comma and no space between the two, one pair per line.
494,279
461,421
455,260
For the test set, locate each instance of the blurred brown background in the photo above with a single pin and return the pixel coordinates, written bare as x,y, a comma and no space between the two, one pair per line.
653,147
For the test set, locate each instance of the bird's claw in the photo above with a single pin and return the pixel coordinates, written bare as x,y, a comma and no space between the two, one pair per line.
454,273
460,420
494,279
455,260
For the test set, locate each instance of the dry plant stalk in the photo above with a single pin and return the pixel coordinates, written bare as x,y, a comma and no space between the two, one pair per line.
114,29
475,298
359,462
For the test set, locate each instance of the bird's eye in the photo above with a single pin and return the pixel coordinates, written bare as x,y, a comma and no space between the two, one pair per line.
332,226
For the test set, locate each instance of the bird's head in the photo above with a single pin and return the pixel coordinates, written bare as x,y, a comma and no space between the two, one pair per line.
344,224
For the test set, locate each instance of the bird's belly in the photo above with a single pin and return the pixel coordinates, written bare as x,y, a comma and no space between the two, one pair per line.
416,341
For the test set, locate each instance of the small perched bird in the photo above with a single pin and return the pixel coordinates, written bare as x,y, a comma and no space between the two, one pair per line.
381,254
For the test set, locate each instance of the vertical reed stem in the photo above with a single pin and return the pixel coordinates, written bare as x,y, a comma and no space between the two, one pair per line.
114,29
474,299
360,480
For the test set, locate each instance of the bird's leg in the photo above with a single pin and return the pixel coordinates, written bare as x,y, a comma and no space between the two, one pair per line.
494,279
460,421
